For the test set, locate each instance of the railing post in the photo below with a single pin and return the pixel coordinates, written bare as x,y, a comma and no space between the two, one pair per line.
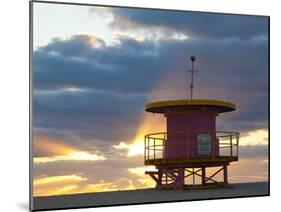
237,143
165,142
230,144
148,147
154,148
145,148
164,148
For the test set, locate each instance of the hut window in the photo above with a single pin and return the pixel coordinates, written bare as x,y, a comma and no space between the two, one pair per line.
204,143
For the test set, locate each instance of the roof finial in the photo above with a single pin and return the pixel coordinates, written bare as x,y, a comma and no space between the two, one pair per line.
192,58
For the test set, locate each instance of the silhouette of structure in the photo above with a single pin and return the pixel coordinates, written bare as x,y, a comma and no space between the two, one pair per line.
191,146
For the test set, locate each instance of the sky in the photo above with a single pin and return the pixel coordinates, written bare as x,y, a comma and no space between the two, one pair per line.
94,69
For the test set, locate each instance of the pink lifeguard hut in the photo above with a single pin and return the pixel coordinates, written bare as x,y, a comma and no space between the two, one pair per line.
192,148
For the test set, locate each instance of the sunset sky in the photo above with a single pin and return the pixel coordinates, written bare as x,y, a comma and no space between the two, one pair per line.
94,68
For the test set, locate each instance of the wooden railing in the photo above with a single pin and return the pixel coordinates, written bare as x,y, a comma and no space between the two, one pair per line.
228,143
155,144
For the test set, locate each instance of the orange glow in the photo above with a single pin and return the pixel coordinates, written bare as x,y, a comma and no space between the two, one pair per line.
246,170
145,180
82,156
99,187
73,184
140,170
60,151
52,146
120,184
257,137
56,185
57,179
146,183
49,191
150,123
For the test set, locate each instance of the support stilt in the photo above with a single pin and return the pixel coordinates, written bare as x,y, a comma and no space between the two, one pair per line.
225,175
203,175
175,177
181,178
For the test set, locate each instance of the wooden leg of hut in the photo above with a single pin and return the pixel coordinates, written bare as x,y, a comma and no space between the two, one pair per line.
203,175
181,178
160,175
225,180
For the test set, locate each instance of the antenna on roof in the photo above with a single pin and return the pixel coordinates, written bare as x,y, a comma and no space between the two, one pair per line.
192,58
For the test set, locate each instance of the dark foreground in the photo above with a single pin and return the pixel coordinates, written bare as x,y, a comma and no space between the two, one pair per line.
147,196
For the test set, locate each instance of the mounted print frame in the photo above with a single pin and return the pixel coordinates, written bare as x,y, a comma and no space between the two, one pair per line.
143,105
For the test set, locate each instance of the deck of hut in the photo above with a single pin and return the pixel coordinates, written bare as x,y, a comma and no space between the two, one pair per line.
148,196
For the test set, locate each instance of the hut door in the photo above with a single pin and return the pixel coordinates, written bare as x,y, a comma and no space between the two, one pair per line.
204,144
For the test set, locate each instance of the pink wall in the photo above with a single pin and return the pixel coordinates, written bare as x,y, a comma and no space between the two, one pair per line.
183,124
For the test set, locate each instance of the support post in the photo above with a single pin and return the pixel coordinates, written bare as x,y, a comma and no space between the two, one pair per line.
193,177
203,175
225,180
160,175
181,178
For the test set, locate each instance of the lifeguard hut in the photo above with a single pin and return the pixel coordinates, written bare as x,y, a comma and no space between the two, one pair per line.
192,148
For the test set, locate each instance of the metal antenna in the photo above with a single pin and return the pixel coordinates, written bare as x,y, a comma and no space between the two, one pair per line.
192,58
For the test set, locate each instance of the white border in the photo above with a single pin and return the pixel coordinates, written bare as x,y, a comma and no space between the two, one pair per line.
14,94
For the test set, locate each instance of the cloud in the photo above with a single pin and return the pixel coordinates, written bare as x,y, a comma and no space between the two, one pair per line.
79,186
87,115
112,168
43,146
248,170
79,156
126,74
48,150
254,152
194,24
103,68
47,180
95,176
115,168
115,174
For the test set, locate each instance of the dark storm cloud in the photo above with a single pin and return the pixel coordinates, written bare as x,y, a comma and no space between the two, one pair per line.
116,80
232,70
248,117
89,113
122,68
113,80
202,25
